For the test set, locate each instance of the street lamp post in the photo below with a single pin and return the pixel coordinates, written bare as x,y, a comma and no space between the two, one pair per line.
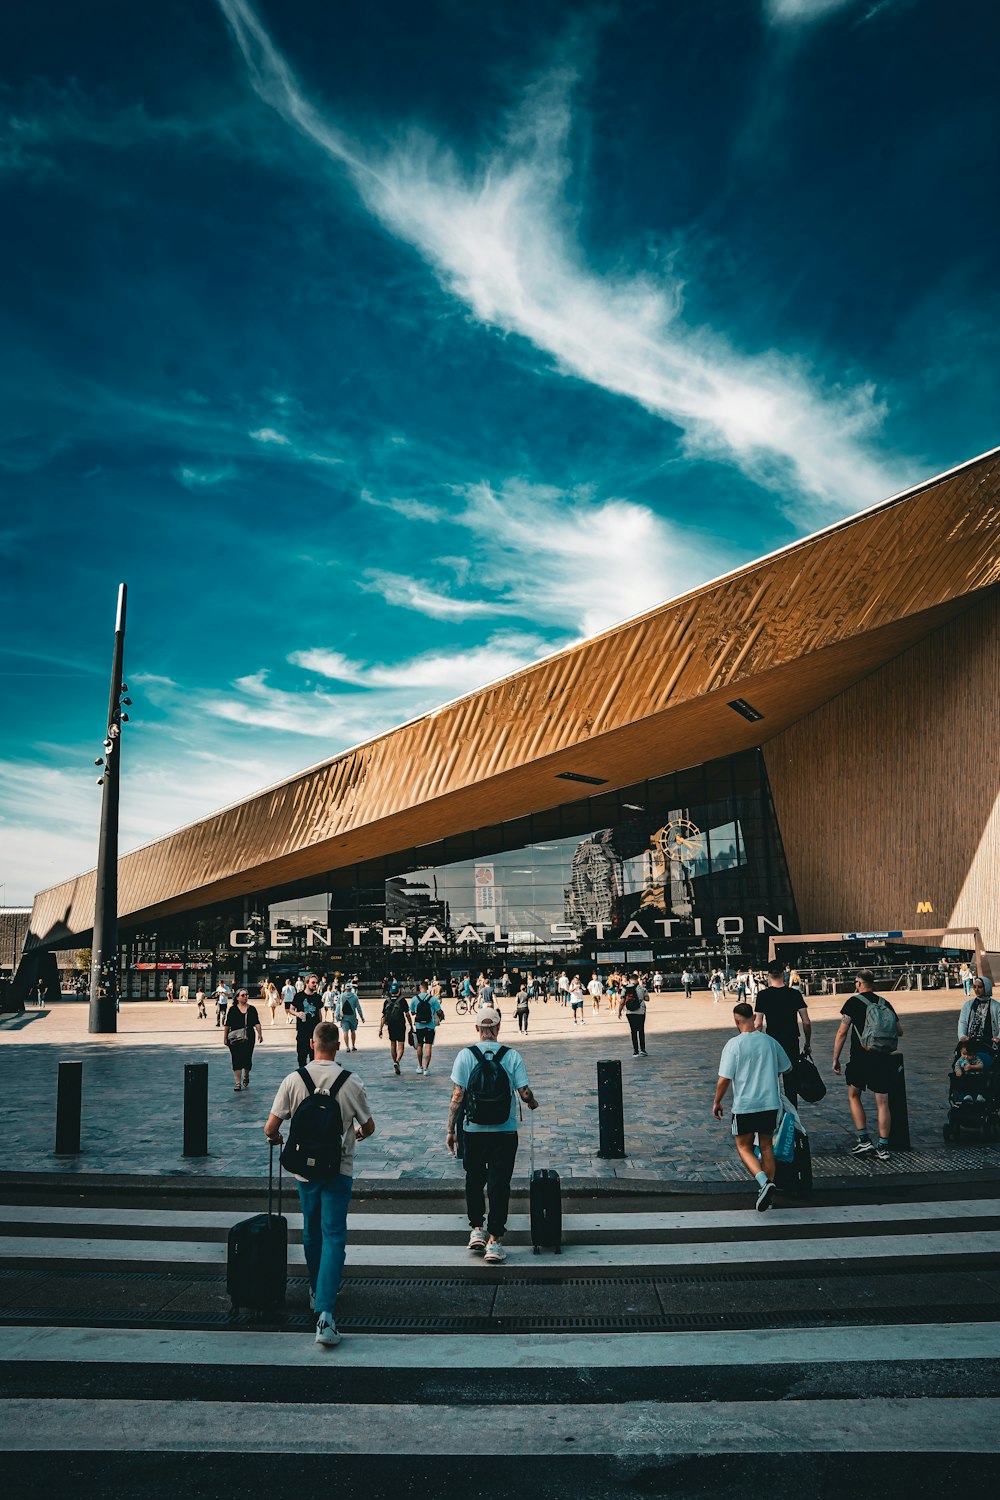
104,971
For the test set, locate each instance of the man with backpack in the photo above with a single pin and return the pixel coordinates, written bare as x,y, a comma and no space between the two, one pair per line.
426,1013
633,1003
395,1019
348,1014
875,1031
329,1112
487,1078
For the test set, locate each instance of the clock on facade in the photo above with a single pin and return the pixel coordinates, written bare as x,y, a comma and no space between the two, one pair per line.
679,840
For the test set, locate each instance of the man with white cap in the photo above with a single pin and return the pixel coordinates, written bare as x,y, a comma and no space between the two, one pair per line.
488,1079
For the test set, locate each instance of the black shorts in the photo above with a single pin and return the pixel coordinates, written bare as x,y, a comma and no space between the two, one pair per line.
760,1122
425,1035
871,1070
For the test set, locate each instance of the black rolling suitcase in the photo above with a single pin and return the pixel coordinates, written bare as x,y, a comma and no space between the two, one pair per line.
257,1262
545,1200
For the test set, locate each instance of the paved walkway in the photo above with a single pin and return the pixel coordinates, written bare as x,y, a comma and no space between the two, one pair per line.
133,1085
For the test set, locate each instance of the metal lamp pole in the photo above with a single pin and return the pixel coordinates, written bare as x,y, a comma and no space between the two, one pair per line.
104,971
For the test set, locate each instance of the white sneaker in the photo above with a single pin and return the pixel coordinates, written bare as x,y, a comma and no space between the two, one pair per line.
495,1254
326,1331
764,1197
477,1242
419,1069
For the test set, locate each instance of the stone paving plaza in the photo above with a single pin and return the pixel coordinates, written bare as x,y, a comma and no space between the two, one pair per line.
133,1091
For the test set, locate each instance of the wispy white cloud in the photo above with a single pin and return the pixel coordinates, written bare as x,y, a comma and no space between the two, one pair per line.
500,238
558,558
270,435
801,12
370,697
200,479
410,593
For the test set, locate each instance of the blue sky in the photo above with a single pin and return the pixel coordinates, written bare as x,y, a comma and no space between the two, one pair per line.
383,349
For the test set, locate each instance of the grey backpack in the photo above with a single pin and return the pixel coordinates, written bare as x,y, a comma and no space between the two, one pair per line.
880,1033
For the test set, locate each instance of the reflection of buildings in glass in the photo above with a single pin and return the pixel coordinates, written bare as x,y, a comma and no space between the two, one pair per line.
667,883
594,887
408,896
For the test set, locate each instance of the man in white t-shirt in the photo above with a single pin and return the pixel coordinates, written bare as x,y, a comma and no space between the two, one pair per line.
753,1063
490,1147
596,989
325,1200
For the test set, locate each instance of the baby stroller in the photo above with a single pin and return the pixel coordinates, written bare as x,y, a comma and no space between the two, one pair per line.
974,1099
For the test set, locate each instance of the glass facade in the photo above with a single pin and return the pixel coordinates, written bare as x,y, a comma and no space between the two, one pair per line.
687,868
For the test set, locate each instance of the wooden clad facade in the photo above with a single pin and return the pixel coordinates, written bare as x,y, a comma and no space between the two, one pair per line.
888,797
651,696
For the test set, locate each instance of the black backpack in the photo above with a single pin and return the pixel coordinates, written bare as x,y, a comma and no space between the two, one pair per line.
394,1010
316,1132
488,1092
346,1007
424,1013
632,1001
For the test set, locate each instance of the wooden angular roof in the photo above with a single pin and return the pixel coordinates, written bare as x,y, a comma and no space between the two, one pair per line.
649,696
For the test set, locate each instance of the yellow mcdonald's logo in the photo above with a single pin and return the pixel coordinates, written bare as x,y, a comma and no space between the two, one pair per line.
923,906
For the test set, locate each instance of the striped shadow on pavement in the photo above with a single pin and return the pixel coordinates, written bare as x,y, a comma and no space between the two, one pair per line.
918,1425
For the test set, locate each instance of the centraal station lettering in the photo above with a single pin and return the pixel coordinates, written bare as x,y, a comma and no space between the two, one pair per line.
316,935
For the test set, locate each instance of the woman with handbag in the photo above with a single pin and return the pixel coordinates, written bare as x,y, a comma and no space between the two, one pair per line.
241,1030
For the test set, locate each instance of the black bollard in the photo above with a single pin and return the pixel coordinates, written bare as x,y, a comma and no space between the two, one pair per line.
69,1100
899,1129
196,1109
610,1112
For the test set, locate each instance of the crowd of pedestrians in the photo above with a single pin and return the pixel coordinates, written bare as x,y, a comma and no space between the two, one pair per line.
490,1088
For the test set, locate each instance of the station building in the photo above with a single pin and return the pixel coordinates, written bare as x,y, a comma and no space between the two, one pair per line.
806,745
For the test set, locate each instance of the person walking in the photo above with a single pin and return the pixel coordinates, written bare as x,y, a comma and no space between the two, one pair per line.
170,992
715,984
307,1017
324,1199
241,1030
426,1014
288,998
271,998
521,1004
200,1002
753,1063
633,1003
596,990
396,1020
487,1081
348,1014
687,980
965,976
874,1029
741,983
223,996
576,1000
782,1009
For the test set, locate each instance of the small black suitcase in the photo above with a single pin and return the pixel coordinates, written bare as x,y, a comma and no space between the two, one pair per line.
796,1176
257,1260
545,1203
545,1195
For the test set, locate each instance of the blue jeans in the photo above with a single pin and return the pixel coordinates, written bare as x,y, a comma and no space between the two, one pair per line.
324,1235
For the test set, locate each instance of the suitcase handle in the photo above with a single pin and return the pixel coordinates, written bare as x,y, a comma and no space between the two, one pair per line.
270,1181
531,1133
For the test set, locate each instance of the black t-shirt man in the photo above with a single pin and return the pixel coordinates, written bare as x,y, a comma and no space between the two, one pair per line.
310,1004
855,1010
780,1008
